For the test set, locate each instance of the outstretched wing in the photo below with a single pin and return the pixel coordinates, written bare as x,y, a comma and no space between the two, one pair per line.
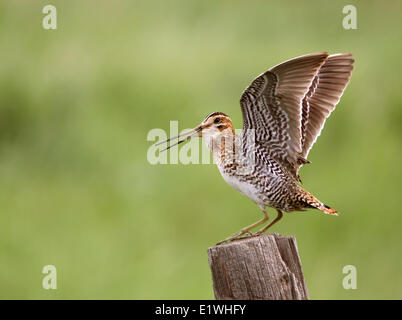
322,97
272,108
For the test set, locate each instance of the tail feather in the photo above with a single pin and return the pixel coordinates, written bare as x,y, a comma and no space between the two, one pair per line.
309,201
328,210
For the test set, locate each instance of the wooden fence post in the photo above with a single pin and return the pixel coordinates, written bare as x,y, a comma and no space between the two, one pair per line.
266,267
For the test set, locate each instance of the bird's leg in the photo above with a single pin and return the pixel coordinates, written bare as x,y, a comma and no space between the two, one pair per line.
279,217
245,230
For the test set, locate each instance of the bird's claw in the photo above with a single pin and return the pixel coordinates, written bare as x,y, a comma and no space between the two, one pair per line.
240,236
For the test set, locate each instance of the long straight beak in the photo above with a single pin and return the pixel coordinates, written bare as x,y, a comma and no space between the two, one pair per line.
190,134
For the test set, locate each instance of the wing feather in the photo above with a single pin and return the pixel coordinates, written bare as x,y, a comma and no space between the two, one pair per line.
322,97
272,108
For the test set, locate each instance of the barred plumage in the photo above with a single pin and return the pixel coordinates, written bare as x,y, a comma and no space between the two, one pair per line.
284,110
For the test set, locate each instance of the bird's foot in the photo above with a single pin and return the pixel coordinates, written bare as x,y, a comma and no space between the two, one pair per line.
258,233
237,236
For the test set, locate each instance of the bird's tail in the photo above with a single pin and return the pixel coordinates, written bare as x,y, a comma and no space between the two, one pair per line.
328,210
312,202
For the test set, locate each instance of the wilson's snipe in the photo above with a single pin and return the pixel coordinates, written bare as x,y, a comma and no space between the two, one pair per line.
284,110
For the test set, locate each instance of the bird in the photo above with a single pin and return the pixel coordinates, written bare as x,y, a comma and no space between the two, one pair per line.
284,110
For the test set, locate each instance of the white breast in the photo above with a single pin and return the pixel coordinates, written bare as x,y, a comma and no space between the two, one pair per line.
244,188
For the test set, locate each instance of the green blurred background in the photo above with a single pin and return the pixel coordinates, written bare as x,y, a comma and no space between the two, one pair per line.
77,103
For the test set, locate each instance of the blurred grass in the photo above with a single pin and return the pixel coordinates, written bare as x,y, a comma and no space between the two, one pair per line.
76,105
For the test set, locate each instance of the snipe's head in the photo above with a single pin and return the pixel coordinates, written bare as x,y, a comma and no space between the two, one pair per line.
216,126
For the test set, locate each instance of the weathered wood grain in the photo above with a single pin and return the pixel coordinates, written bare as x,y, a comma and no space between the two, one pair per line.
266,267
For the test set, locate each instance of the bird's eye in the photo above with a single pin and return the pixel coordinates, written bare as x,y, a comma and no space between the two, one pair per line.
217,120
